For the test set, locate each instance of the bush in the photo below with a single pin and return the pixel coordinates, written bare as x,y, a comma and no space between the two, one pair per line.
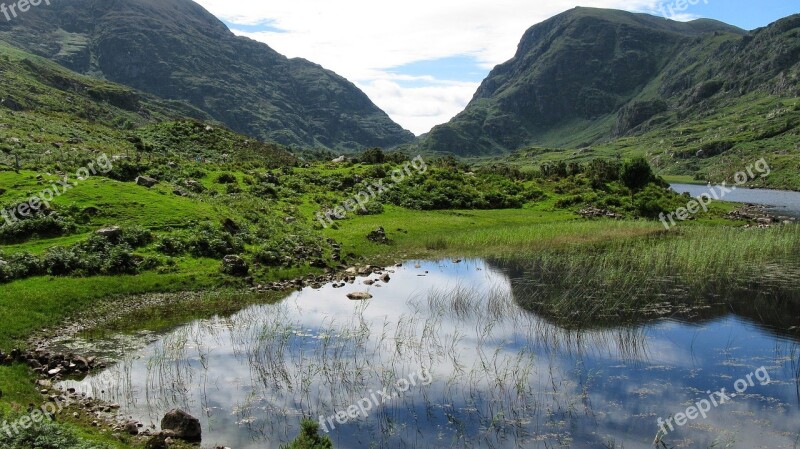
119,260
293,249
227,178
124,170
213,242
60,261
373,207
172,246
42,225
373,156
309,438
45,435
95,255
637,173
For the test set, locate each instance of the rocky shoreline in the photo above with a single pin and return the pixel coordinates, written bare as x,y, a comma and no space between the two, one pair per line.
759,216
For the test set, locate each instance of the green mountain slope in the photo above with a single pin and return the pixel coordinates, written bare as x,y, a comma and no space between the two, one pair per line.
177,50
50,115
589,76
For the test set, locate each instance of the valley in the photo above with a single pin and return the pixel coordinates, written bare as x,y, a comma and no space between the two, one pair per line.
208,226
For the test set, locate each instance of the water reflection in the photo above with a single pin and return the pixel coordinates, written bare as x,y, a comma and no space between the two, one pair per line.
503,377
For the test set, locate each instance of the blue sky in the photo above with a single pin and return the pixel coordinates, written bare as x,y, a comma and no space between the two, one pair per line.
421,60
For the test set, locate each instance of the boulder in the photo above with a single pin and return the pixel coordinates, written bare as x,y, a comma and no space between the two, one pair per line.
182,425
378,236
160,441
146,181
359,296
131,428
235,266
194,186
111,232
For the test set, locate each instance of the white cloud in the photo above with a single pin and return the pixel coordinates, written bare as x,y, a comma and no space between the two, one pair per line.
361,39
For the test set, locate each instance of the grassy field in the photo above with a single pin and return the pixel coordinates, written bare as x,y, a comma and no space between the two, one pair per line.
268,216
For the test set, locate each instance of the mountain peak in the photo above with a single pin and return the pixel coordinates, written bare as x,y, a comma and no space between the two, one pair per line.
589,74
177,50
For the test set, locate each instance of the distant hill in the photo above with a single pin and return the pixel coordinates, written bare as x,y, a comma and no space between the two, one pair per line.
176,50
589,76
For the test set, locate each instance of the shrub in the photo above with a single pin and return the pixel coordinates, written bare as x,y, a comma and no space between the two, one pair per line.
215,243
373,207
124,170
637,173
227,178
42,225
373,156
171,246
60,261
119,260
45,435
309,438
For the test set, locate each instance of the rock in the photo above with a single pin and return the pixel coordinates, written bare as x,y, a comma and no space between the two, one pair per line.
359,296
318,263
111,232
81,363
385,278
131,428
594,212
369,282
378,236
235,266
146,181
339,160
183,426
194,186
160,441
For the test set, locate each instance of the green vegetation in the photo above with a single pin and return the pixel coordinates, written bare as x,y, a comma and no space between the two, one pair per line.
46,435
630,279
699,99
205,192
309,438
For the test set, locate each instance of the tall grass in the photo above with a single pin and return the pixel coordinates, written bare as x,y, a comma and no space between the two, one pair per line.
603,281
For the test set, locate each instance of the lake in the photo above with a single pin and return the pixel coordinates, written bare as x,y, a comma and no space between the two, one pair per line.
463,365
781,202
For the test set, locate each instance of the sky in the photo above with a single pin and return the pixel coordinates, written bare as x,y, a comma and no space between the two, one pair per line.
421,61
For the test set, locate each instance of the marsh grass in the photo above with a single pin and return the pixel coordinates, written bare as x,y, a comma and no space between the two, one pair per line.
579,284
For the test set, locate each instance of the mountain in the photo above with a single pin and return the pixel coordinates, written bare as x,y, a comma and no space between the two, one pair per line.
176,50
593,75
50,115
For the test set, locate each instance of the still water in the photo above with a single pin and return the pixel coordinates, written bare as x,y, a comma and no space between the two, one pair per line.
781,202
488,374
